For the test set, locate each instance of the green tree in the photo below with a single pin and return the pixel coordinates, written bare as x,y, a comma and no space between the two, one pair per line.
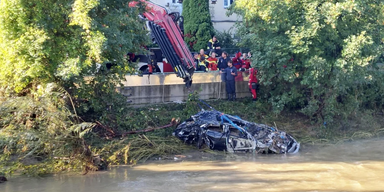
53,57
226,39
198,26
51,41
317,56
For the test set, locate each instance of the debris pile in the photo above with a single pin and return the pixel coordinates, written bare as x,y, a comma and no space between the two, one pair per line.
220,131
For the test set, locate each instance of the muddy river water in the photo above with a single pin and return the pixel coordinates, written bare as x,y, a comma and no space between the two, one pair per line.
351,166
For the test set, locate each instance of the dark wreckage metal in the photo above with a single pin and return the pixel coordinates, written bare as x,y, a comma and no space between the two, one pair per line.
220,131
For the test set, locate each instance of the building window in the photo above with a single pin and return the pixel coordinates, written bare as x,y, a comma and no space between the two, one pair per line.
177,1
227,3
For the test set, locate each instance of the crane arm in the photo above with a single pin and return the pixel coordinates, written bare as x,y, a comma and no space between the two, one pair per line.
170,40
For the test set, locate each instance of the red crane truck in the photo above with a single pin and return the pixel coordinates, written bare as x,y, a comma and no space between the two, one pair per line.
168,35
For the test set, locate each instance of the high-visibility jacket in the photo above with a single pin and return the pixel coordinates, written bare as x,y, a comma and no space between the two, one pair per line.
212,64
213,45
202,60
202,67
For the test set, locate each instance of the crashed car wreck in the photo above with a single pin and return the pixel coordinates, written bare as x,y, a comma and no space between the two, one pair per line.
220,131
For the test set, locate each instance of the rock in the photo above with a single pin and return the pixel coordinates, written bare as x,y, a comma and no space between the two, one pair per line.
2,179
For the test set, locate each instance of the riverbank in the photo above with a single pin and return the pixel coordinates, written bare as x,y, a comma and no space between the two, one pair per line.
111,146
361,125
356,166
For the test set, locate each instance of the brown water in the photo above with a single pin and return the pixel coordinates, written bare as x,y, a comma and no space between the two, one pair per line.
354,166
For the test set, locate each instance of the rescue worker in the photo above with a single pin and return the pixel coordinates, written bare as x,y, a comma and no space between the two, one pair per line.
202,61
237,61
196,57
249,55
252,83
212,62
214,45
223,63
245,62
230,86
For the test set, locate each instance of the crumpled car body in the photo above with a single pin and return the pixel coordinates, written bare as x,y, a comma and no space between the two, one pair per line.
220,131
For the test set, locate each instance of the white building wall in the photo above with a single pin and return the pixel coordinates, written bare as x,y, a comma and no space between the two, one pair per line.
170,5
219,18
218,11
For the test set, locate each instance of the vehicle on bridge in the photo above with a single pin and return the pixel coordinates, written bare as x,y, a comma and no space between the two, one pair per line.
166,30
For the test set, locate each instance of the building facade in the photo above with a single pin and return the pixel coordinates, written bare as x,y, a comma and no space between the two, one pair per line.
220,20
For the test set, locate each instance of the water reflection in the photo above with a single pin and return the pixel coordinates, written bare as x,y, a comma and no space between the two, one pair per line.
354,166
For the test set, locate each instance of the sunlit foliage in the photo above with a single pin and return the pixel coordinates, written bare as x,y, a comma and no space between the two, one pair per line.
321,57
60,63
51,41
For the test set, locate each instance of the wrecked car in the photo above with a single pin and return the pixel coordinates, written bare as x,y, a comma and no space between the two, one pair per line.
220,131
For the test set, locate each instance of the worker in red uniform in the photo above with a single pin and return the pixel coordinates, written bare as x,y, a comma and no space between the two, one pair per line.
237,61
245,62
212,62
252,83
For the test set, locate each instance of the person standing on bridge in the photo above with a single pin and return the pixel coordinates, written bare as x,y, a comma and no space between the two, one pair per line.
214,46
230,86
252,83
212,62
222,64
237,60
202,61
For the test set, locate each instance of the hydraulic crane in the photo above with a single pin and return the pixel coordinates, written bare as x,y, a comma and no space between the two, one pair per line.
169,37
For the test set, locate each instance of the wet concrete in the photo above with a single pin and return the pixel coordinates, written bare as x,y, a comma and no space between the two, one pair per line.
352,166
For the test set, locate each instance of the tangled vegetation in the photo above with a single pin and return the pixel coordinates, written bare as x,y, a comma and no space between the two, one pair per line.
322,57
62,61
45,136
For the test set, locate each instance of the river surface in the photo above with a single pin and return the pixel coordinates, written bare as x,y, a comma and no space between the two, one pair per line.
351,166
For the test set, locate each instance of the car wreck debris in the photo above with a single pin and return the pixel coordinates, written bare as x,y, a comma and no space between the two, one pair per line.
220,131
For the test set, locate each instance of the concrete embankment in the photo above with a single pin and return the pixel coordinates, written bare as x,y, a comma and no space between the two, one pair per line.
167,87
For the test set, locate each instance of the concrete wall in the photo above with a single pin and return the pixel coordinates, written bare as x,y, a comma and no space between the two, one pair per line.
166,87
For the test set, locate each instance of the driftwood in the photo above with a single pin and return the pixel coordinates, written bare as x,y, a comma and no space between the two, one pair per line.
113,134
105,127
172,123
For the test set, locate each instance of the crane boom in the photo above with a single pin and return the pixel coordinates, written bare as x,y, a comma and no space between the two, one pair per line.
170,39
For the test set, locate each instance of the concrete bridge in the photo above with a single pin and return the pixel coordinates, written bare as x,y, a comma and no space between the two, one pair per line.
167,87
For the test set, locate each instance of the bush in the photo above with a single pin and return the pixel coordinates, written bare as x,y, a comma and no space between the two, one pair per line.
308,57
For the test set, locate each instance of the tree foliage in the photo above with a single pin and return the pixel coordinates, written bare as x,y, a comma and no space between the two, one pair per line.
197,23
226,39
318,56
61,41
54,81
